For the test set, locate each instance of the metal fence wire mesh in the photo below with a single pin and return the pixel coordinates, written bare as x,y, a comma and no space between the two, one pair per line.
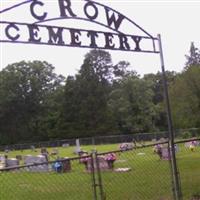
188,162
47,181
139,173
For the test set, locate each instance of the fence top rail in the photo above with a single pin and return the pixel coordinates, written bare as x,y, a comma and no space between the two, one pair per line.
151,145
102,153
134,148
43,163
187,140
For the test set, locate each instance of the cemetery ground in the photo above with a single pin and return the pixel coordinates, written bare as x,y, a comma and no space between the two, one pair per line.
148,179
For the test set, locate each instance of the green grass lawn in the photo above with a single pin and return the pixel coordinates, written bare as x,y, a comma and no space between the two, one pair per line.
148,179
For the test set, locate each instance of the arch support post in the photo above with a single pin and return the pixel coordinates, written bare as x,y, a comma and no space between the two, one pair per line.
174,170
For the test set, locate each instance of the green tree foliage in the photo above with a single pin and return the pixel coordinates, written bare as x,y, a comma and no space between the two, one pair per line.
185,92
24,89
85,107
185,97
193,58
131,105
102,98
156,82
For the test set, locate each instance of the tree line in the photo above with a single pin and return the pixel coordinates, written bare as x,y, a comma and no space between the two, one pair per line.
101,99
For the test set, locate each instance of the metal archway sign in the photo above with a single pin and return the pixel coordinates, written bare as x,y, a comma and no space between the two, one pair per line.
136,40
38,33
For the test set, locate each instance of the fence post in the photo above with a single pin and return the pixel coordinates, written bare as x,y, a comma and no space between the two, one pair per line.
175,173
102,196
94,185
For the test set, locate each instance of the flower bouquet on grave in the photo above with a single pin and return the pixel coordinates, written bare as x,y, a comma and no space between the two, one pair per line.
57,166
110,158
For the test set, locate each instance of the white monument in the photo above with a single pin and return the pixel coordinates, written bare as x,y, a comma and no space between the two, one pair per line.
78,148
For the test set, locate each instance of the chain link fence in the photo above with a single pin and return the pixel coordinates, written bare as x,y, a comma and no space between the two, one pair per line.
188,163
135,174
57,180
141,172
107,139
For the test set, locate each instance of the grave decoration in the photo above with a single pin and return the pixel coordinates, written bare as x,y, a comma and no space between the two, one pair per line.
126,146
110,158
62,165
162,151
124,169
57,166
192,145
165,154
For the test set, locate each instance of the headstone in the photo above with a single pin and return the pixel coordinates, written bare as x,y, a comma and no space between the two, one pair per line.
78,148
126,146
43,150
12,162
2,161
154,140
162,140
6,150
55,151
165,154
65,145
103,164
29,160
66,165
32,147
19,157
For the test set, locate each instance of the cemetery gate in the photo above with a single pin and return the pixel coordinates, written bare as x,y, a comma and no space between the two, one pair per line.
38,33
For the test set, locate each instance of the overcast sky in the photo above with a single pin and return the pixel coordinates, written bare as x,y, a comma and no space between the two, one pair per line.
176,21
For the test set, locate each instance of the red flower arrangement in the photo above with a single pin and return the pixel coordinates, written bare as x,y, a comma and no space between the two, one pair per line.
110,158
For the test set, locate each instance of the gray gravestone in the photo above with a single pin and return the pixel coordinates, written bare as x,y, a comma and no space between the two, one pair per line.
65,145
165,154
103,164
12,162
29,160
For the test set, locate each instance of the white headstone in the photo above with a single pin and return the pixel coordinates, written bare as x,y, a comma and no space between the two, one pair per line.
78,148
